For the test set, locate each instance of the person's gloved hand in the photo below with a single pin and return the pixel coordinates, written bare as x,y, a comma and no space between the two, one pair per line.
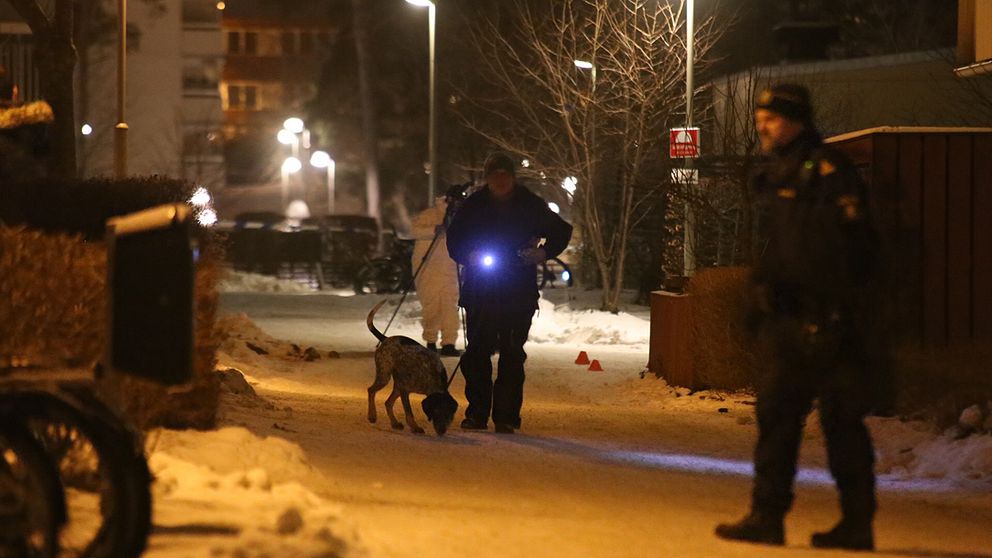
533,255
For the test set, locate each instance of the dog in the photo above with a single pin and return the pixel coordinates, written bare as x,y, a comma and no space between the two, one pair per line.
414,369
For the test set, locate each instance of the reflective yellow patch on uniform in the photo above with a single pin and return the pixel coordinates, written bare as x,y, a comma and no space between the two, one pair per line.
851,205
787,193
826,168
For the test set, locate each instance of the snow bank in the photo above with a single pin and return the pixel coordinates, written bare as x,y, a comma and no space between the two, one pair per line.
240,281
913,450
562,325
252,489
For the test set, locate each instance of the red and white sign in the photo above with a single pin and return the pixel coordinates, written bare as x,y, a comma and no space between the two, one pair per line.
683,143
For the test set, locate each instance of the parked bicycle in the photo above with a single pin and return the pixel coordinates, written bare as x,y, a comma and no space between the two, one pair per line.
389,273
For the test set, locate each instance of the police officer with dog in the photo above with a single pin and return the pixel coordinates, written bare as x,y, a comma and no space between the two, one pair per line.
499,236
811,306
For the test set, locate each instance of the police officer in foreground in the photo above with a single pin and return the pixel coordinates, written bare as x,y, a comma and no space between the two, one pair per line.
499,236
810,283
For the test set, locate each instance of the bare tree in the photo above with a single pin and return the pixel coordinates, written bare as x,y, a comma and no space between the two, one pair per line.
607,127
51,25
369,121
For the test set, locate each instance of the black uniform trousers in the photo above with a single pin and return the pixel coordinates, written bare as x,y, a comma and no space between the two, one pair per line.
823,361
493,327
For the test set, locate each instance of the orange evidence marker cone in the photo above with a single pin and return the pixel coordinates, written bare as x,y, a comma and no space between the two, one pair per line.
583,358
595,367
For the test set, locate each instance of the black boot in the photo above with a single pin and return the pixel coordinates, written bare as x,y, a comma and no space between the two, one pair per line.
450,350
432,347
849,535
756,528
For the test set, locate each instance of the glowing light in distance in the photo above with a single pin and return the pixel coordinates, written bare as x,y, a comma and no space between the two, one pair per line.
525,163
207,217
86,129
285,137
200,198
321,159
421,3
583,64
488,261
570,184
291,165
221,5
554,207
294,125
565,276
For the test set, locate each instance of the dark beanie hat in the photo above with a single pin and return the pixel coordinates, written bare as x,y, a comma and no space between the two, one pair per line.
788,99
499,161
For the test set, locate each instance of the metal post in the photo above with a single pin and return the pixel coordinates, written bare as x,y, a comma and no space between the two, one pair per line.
688,238
330,188
285,189
432,140
120,129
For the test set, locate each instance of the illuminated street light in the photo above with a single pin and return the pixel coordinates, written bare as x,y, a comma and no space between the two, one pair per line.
432,134
570,184
86,129
291,165
200,197
286,137
294,125
554,207
207,217
583,64
525,163
321,159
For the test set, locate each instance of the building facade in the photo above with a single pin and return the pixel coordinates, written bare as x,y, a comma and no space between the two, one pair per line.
173,104
273,61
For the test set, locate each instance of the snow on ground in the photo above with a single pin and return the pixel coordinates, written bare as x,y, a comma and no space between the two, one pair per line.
244,282
250,491
603,457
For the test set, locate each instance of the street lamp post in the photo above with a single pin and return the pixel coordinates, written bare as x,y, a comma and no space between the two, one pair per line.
290,166
688,238
322,160
432,137
120,129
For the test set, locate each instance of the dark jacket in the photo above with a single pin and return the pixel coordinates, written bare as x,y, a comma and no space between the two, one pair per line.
484,226
817,249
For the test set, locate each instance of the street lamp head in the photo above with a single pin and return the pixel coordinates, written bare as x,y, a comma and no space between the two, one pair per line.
286,137
321,159
421,3
583,64
291,165
294,125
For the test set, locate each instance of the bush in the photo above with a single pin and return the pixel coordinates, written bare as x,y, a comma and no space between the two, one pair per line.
52,298
724,355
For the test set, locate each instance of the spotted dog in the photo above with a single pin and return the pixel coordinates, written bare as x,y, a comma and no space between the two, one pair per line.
413,369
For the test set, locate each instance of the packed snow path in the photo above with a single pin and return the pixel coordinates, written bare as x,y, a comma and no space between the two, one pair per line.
606,465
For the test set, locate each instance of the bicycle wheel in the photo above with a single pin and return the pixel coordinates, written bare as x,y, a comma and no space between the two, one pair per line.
379,277
102,465
32,502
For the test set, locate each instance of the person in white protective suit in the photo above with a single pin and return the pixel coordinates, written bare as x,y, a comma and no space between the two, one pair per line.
437,282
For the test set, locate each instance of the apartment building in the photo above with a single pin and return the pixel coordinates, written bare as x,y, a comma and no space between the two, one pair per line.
173,103
273,63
